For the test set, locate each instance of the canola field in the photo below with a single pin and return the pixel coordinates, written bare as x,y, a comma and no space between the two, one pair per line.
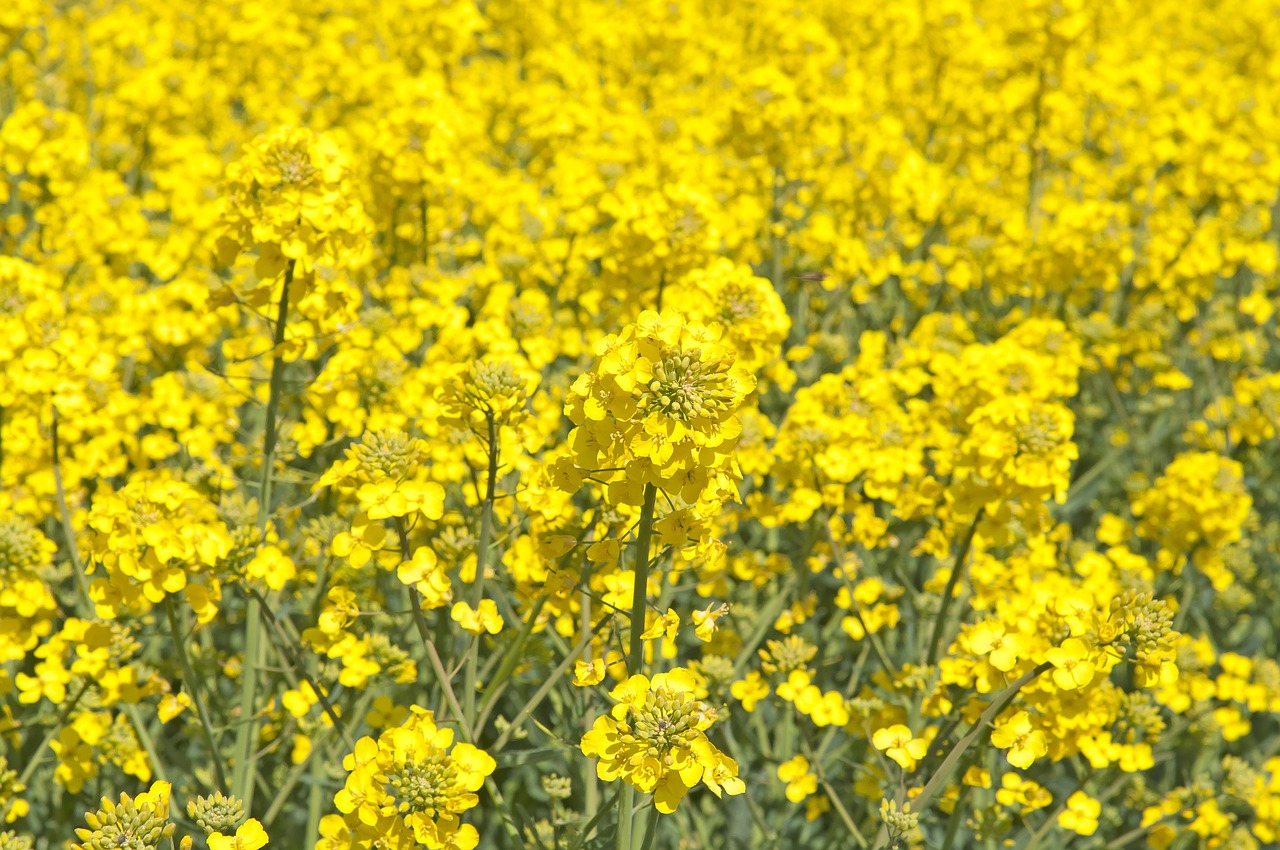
639,424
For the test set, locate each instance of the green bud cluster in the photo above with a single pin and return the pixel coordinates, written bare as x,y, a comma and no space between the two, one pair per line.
667,720
685,388
124,826
864,708
454,543
294,165
738,302
1039,435
217,813
898,821
12,841
392,659
425,787
1148,622
377,381
1140,717
391,453
557,787
20,547
717,669
525,319
783,656
1239,779
492,386
1139,795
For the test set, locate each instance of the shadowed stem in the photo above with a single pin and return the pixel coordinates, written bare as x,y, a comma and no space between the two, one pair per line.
193,688
630,834
242,782
940,777
482,560
957,568
640,591
424,631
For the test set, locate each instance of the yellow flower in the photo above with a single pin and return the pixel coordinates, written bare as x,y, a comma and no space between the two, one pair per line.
750,690
478,621
1072,665
897,743
425,573
586,673
289,195
705,620
654,739
1025,794
250,836
1001,648
1081,814
668,624
800,781
171,705
412,784
659,407
1024,744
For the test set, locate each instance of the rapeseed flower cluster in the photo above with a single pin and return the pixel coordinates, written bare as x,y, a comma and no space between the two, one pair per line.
448,423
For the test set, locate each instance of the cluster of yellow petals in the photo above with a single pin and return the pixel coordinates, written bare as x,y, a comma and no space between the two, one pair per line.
655,740
408,788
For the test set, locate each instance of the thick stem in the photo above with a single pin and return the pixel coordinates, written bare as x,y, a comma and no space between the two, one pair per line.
626,802
273,401
423,209
630,834
243,784
482,563
941,776
424,631
193,688
64,513
640,592
957,568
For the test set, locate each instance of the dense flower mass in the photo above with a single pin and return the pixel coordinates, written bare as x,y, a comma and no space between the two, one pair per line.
659,408
655,740
410,786
566,425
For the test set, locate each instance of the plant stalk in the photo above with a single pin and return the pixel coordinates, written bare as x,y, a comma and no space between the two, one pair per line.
482,559
242,783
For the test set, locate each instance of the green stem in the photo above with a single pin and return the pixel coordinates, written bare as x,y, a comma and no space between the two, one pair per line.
242,782
541,694
315,806
424,631
64,514
273,401
640,592
940,621
193,687
775,240
844,814
509,662
54,730
940,777
628,832
595,820
626,802
482,558
651,828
